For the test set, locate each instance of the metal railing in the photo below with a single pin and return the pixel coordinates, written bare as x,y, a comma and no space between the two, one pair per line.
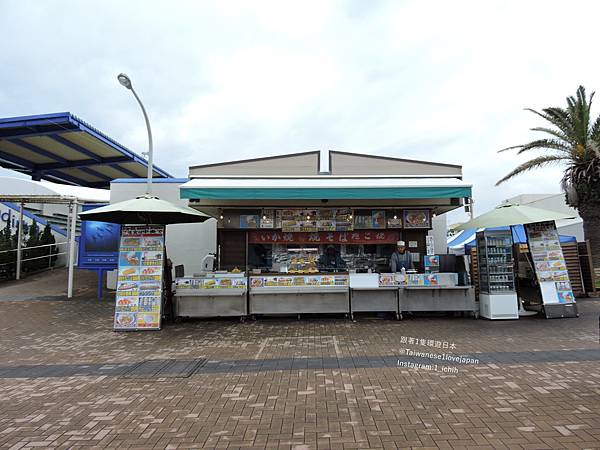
70,233
50,256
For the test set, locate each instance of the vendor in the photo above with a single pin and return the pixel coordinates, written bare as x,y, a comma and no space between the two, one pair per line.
401,258
331,260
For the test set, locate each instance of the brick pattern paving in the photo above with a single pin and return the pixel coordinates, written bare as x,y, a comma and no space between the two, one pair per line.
268,385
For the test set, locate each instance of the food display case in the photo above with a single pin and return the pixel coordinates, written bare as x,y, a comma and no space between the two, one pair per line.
303,260
299,294
374,292
497,294
436,292
211,295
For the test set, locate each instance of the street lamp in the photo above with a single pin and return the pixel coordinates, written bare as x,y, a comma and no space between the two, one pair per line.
126,82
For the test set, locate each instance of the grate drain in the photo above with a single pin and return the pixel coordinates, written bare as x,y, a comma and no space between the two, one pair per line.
163,368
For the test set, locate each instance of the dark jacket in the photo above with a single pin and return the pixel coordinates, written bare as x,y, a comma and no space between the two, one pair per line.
327,262
399,260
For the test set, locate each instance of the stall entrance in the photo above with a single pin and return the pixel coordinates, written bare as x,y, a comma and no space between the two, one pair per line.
231,247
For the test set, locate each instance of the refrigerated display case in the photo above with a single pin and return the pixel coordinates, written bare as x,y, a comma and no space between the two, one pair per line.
498,296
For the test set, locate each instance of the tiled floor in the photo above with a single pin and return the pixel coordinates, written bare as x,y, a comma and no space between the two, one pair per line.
68,381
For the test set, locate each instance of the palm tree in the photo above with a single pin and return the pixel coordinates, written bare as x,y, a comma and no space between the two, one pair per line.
573,141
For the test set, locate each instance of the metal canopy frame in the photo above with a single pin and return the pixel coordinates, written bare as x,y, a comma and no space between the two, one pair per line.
71,228
62,147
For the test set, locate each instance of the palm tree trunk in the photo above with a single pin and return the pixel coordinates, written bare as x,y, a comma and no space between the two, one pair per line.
590,213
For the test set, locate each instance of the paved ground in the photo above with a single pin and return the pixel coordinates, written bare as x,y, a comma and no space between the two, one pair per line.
68,381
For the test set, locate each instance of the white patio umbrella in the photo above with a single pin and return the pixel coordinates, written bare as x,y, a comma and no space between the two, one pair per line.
144,210
509,214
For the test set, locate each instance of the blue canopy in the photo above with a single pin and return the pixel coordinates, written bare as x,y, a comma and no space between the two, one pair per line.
466,239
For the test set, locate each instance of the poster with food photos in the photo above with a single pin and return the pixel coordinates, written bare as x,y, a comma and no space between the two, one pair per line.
549,263
140,277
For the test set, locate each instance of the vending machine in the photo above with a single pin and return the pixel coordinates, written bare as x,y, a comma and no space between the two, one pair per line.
497,291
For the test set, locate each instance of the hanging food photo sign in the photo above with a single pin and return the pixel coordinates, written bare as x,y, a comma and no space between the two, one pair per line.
417,218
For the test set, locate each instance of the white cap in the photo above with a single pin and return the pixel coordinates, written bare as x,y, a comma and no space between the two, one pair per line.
400,244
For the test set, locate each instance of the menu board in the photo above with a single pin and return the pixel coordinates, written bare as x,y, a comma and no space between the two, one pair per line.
388,279
298,280
211,283
549,263
139,285
432,263
432,279
311,220
419,279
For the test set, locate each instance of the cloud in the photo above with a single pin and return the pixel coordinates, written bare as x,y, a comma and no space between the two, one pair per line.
440,81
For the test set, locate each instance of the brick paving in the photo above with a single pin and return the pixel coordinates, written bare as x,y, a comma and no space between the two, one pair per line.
68,381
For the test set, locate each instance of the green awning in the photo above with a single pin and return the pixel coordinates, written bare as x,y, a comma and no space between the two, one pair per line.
321,193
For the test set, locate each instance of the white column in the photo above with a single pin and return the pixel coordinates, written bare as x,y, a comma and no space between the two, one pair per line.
19,241
72,227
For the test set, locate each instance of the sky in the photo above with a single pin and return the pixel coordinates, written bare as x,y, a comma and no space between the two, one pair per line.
225,80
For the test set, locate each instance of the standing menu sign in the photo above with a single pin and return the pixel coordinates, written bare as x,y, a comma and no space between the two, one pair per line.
139,288
549,264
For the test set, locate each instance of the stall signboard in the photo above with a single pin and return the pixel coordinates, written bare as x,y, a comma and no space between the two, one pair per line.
334,237
298,280
140,277
417,218
549,263
314,220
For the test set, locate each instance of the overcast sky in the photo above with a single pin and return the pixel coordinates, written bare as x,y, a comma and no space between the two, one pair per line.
444,81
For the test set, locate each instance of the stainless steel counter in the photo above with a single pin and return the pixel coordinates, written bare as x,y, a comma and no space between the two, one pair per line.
299,300
381,299
438,298
211,303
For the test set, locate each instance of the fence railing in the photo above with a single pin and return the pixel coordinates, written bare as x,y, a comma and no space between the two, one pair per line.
24,250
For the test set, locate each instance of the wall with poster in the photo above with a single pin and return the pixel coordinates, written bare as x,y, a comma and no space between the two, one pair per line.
98,243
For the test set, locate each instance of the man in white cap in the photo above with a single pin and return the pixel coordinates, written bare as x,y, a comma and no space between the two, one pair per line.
401,258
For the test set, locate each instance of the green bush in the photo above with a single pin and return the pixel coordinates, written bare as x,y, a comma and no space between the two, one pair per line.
8,260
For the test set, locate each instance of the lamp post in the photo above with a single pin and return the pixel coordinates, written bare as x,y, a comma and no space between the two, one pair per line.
126,82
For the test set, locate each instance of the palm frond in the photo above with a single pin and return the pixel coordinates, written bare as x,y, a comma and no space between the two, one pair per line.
557,117
579,110
595,130
540,144
556,133
534,163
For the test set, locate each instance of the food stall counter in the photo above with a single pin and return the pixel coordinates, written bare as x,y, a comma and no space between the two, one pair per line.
211,295
436,292
299,294
373,292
